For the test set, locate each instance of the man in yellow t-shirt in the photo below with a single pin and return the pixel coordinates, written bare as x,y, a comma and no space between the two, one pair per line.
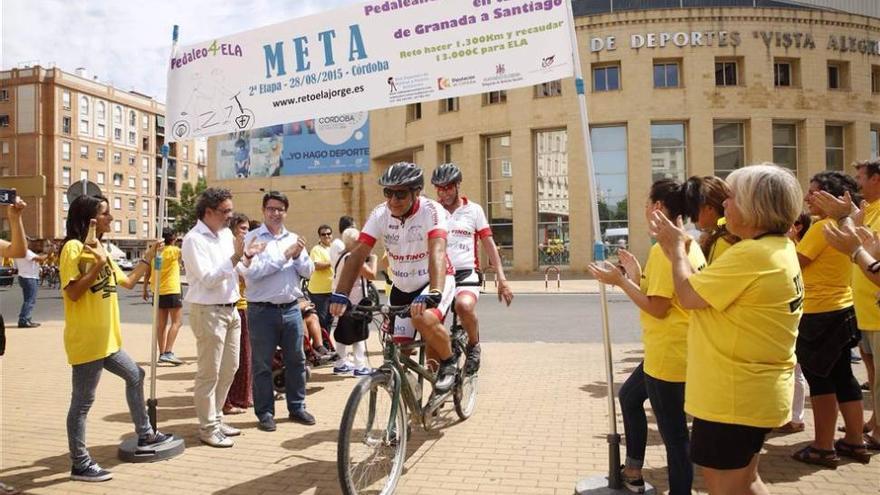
170,299
321,283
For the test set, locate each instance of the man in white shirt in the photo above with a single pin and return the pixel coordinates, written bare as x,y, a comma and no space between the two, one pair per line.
210,254
28,277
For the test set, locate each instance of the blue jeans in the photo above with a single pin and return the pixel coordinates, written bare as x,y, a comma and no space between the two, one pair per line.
667,400
632,397
29,291
270,328
85,382
322,306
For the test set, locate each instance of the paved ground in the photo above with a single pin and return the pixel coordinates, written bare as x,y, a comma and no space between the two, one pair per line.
539,427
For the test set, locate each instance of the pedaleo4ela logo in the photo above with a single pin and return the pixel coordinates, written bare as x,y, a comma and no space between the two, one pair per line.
547,61
214,50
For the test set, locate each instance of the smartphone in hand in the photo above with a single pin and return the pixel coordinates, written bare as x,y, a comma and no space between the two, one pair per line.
7,196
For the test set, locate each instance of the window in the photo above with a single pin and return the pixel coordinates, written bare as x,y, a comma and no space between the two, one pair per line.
448,105
84,106
838,75
117,114
499,196
101,111
145,228
65,151
875,144
4,95
185,172
145,122
185,152
4,147
83,151
145,207
83,175
131,204
606,78
4,120
551,162
117,203
132,119
145,144
131,160
131,182
117,226
65,176
132,226
726,72
450,151
730,147
413,112
132,138
668,151
117,158
612,190
84,127
101,178
201,172
99,154
666,74
145,185
552,88
494,97
834,147
145,165
65,125
65,203
117,134
101,130
785,146
786,73
117,179
875,79
65,99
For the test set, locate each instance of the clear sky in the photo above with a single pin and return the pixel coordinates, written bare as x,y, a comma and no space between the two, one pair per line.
127,43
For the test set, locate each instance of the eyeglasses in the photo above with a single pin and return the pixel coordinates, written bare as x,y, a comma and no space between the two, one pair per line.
399,194
326,234
447,187
223,211
275,209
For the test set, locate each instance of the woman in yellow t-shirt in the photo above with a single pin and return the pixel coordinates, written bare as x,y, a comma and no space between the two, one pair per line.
705,198
745,309
827,332
665,326
92,337
170,298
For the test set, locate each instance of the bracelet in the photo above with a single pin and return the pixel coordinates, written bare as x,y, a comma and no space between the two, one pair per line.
874,267
855,253
144,261
249,257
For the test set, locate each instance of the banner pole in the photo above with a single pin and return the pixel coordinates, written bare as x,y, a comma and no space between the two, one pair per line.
614,482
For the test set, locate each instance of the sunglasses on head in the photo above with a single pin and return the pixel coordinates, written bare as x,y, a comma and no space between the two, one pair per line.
399,194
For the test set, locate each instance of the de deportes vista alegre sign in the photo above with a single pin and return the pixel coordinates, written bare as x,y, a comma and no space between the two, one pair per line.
777,39
362,57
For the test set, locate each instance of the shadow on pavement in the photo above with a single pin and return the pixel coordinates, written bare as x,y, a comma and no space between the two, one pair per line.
56,469
170,408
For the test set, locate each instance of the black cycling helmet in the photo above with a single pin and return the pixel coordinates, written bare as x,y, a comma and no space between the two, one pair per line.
448,173
403,174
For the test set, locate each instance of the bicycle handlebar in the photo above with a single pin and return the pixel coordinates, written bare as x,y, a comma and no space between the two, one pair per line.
385,309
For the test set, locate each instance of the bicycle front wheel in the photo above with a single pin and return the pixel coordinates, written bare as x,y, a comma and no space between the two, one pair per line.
371,447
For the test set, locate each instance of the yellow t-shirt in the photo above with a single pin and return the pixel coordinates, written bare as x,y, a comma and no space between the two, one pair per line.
91,324
322,280
865,291
665,339
718,248
828,277
741,348
169,282
242,303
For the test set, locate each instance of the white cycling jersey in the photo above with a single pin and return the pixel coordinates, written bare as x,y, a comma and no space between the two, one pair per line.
467,224
407,240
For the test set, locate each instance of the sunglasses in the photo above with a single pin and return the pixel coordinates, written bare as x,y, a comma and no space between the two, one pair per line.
399,194
325,234
447,187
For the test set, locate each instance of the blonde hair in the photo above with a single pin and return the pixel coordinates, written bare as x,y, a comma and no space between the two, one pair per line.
350,237
769,197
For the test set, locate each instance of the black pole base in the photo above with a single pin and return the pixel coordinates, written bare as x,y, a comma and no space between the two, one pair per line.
598,485
152,404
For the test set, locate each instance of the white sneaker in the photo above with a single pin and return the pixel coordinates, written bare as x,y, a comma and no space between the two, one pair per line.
229,431
216,439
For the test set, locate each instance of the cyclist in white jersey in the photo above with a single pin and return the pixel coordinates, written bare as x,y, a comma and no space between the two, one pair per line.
413,229
467,224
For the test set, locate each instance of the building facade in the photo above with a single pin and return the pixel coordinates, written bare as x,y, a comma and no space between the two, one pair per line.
67,127
672,92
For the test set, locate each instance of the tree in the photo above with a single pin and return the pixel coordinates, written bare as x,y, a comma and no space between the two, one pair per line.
184,211
622,207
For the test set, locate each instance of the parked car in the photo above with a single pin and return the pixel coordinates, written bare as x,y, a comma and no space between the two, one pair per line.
7,275
125,263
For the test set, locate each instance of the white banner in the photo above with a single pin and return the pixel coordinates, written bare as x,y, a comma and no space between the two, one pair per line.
367,56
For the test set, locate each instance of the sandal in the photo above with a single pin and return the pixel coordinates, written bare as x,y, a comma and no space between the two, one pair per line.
865,429
790,427
818,457
234,410
870,443
857,452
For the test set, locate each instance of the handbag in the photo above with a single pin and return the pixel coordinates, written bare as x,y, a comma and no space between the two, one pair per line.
352,328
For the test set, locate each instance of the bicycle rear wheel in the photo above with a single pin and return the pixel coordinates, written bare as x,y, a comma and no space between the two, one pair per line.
370,454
